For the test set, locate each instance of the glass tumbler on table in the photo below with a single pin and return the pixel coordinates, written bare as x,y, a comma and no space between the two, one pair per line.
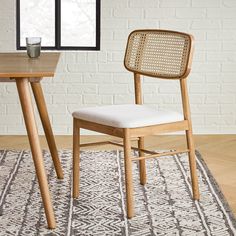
33,45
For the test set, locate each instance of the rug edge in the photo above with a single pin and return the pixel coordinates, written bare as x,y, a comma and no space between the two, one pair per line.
217,189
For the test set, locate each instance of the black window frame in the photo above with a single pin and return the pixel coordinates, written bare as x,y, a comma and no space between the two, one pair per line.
58,29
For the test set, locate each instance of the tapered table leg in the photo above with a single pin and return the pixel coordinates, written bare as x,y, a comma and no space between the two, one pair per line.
28,113
42,108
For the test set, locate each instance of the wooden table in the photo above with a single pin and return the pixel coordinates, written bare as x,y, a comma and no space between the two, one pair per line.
18,68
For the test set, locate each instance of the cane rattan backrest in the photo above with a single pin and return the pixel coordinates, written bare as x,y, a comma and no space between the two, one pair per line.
159,53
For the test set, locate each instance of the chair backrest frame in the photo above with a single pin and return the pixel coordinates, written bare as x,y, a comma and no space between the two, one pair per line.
142,48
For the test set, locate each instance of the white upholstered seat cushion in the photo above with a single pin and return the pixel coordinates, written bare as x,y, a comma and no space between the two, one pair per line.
127,115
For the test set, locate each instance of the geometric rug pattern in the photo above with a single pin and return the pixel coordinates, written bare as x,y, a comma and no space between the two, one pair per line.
164,206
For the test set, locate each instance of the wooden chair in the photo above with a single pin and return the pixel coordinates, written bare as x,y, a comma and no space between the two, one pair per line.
157,53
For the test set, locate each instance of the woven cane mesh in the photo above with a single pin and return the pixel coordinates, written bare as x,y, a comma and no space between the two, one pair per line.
163,54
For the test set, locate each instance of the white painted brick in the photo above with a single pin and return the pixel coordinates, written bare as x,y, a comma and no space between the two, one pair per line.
107,12
174,3
62,120
114,67
113,89
56,109
124,99
228,77
158,99
69,57
171,88
212,120
228,109
206,3
228,88
228,67
191,13
221,13
229,24
82,89
107,34
91,99
117,56
128,12
213,78
207,67
206,24
98,78
67,99
82,67
10,119
158,13
222,56
92,57
3,129
227,120
113,45
196,78
229,3
141,4
227,99
227,129
198,34
121,34
205,109
81,58
9,98
2,88
198,120
208,89
134,24
55,88
102,57
115,4
114,24
224,35
107,99
123,78
60,130
149,88
10,88
2,109
229,46
71,78
175,24
197,99
13,109
200,56
16,129
74,107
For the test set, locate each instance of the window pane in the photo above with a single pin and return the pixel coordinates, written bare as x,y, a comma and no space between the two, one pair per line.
37,19
78,23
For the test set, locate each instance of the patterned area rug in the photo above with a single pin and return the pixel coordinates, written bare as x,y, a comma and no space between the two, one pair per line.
163,207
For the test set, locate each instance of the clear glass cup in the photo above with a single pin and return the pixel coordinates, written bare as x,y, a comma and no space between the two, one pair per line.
33,45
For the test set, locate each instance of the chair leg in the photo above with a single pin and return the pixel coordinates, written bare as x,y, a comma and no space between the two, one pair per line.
76,158
192,163
142,163
128,174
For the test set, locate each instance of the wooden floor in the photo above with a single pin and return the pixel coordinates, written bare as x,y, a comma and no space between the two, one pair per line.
218,151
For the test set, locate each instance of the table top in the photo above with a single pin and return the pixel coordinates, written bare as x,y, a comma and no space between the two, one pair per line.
19,65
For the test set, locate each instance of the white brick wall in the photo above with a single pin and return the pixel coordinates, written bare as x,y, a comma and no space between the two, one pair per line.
97,78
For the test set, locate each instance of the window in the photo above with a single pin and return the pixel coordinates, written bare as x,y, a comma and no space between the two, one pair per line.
62,24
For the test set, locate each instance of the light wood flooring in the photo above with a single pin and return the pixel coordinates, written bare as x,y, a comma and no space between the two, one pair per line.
218,151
